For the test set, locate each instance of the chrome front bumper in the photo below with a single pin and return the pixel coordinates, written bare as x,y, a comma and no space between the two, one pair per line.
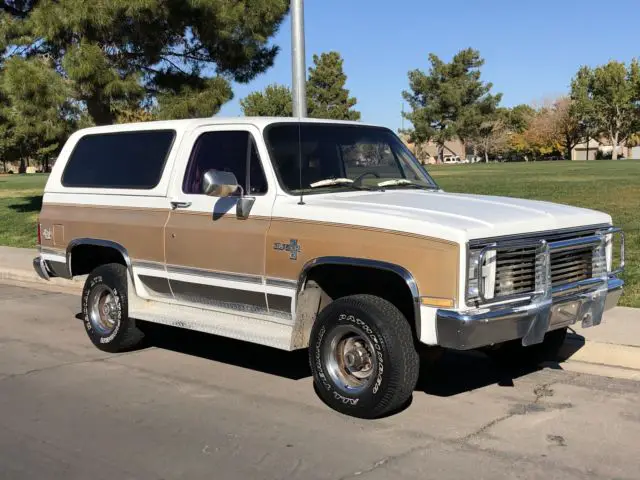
483,327
547,308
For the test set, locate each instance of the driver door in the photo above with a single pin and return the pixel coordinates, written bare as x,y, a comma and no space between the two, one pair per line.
215,259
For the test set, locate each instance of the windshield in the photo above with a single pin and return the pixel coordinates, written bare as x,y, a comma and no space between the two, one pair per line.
342,157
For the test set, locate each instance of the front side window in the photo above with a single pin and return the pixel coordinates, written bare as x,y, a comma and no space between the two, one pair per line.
127,160
318,157
229,151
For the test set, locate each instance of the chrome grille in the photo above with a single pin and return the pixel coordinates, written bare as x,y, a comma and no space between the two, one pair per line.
515,267
515,271
571,266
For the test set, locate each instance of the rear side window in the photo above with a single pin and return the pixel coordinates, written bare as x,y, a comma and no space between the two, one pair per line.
131,160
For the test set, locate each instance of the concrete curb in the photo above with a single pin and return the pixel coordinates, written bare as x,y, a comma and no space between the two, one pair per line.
20,277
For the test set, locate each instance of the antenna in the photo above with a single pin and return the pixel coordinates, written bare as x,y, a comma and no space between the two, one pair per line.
301,202
299,84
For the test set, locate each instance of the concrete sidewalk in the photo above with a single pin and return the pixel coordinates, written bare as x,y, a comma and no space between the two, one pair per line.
16,267
615,342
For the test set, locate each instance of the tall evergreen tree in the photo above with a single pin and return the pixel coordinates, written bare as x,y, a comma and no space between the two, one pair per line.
450,100
178,56
38,113
327,96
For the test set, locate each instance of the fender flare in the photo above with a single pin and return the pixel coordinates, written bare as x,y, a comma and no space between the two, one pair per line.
402,272
98,243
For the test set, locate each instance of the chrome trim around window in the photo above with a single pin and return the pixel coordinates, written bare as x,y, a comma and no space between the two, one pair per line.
368,263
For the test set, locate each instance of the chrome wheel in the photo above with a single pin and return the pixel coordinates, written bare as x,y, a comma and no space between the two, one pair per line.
350,358
103,310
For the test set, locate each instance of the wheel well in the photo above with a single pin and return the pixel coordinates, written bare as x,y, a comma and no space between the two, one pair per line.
344,280
86,258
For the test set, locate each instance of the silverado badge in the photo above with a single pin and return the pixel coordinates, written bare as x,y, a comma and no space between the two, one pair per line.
293,247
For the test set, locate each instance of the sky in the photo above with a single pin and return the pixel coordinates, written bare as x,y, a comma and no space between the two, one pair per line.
532,48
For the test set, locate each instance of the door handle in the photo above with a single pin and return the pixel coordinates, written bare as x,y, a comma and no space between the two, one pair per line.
175,205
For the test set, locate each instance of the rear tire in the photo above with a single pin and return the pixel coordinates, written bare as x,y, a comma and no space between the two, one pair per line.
105,310
514,353
362,357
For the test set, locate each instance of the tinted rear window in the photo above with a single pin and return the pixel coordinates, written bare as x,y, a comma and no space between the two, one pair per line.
132,160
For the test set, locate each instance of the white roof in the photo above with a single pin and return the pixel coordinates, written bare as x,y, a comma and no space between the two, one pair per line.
259,122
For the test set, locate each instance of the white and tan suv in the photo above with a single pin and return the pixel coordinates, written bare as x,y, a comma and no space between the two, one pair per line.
319,234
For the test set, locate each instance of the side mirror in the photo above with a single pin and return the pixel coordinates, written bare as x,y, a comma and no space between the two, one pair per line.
219,184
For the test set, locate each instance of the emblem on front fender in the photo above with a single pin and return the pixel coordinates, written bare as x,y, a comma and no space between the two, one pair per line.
293,247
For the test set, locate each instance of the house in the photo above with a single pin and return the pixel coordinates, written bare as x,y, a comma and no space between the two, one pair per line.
597,148
427,152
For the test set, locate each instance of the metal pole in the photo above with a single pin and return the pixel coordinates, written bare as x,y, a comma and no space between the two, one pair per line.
298,59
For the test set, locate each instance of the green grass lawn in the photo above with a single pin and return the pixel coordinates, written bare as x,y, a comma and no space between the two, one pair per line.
612,187
20,202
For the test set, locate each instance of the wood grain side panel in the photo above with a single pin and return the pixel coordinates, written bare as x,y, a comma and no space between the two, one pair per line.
138,230
433,263
224,244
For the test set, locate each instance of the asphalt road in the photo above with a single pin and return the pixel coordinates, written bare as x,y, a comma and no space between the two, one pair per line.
193,406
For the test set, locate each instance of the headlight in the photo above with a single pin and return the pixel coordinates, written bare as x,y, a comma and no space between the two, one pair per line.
488,275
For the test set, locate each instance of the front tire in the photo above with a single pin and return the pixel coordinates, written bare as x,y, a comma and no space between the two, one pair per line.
362,356
105,310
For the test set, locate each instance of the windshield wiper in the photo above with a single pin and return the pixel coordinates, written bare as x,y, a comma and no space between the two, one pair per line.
339,182
402,182
330,182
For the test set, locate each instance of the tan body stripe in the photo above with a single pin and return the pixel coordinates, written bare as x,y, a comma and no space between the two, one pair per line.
226,243
138,230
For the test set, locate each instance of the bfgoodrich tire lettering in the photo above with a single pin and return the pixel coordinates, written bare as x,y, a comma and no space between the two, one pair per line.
363,357
105,310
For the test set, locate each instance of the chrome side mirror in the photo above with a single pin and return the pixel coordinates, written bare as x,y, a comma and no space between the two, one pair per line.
219,184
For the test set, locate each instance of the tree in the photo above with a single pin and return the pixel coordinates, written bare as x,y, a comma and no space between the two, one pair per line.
519,118
517,121
176,57
327,96
541,136
568,130
491,135
38,113
450,100
609,98
275,101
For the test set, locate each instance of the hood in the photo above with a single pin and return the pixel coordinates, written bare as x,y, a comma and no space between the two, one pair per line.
451,216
